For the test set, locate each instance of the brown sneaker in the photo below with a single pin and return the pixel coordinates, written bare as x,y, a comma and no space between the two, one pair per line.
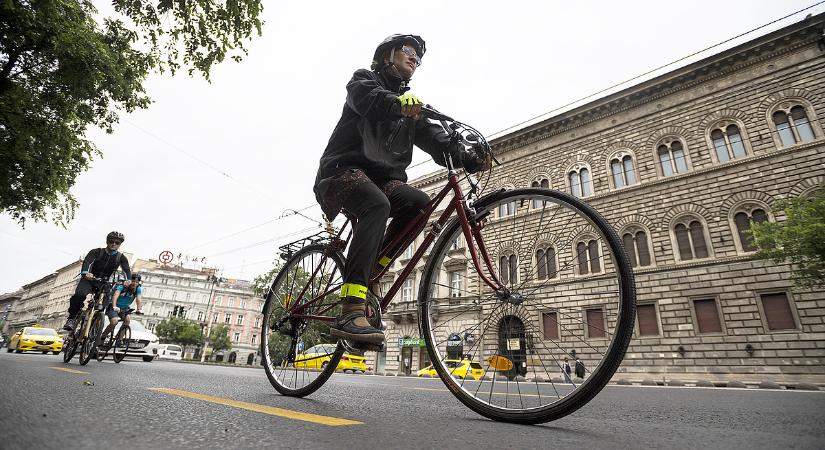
353,325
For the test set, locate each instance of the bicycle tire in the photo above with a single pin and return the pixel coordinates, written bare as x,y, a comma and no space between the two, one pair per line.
89,344
528,198
69,347
283,378
106,341
124,337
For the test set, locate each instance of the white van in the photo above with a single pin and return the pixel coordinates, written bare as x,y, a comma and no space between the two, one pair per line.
170,351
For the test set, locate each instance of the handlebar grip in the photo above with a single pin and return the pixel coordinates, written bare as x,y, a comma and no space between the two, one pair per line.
431,113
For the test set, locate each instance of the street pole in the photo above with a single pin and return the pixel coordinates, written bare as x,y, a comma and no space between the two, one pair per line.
214,280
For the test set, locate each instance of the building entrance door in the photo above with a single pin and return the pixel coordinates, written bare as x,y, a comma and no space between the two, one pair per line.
406,360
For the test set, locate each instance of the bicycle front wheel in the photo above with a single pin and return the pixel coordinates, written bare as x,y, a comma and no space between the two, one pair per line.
299,354
105,345
89,344
121,344
568,294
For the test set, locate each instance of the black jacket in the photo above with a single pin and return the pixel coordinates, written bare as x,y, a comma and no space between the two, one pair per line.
372,136
102,264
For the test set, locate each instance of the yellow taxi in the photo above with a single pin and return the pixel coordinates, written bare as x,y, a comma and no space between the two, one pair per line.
36,339
318,357
460,369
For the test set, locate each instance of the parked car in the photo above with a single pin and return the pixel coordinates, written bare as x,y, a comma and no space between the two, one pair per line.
170,351
459,369
143,344
36,339
318,357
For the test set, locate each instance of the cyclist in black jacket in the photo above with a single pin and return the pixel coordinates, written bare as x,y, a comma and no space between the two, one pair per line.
98,263
363,168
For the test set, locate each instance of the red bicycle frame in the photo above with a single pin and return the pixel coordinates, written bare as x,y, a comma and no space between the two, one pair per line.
471,232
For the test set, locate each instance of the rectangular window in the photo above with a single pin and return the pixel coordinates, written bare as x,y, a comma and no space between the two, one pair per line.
188,296
218,300
257,322
254,338
243,304
648,320
237,337
551,325
595,323
227,317
200,316
707,316
231,302
408,252
215,318
406,290
240,320
777,311
455,284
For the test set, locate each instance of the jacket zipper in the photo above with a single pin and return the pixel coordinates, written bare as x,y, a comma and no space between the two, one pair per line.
394,134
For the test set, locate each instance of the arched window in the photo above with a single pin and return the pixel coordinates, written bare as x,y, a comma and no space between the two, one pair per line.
508,269
581,185
539,183
622,170
507,209
588,257
743,220
546,263
727,142
792,124
636,246
690,239
672,157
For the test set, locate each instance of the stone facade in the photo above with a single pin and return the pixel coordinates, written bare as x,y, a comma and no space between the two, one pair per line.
749,87
57,305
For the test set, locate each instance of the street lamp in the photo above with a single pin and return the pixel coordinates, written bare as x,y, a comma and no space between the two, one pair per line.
214,280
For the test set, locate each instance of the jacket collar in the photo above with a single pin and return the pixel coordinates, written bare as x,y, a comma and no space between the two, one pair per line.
393,81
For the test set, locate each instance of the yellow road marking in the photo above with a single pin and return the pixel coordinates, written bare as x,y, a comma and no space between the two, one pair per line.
67,370
271,410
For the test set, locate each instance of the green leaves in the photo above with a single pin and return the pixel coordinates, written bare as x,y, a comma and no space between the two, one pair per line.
61,71
800,239
219,338
179,331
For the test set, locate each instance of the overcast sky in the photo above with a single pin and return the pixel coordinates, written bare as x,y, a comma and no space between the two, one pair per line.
208,168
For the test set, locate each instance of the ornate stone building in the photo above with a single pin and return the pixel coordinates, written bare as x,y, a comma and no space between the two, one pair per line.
681,165
200,295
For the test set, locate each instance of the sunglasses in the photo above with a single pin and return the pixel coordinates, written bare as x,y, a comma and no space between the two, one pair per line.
114,242
409,51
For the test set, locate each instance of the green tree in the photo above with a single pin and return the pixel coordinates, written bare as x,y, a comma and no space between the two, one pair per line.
219,338
799,239
62,70
178,330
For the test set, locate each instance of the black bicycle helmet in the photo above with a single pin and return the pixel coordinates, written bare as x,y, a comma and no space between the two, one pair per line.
115,235
136,277
394,41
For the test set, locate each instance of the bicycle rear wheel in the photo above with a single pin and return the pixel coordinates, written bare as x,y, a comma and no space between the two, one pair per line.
69,347
569,294
89,344
299,354
121,344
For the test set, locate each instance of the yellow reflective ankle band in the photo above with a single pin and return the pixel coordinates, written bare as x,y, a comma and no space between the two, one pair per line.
384,261
354,290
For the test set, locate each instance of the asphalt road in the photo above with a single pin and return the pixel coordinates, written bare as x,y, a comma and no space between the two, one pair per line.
47,404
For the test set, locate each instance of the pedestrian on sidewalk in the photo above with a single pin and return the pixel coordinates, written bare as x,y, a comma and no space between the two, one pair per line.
579,368
565,369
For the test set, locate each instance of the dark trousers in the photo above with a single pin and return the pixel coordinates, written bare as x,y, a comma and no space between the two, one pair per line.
84,288
372,208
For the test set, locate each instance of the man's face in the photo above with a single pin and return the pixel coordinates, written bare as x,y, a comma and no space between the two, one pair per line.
113,244
406,61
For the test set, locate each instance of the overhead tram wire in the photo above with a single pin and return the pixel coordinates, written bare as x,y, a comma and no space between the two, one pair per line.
202,161
654,70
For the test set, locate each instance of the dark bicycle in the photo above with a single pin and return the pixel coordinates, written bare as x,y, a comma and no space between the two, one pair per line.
90,325
515,282
117,342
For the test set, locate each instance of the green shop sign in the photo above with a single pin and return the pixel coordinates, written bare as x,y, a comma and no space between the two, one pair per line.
411,342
